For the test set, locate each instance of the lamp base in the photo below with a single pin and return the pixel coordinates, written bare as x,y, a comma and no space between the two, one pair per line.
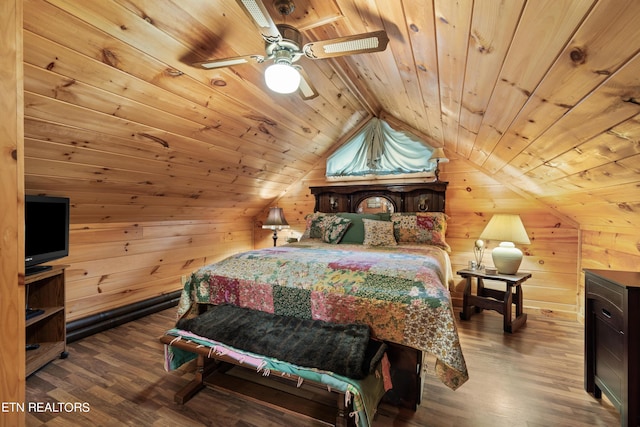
437,171
507,258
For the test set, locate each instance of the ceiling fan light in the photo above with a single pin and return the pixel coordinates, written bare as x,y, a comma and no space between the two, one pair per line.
282,78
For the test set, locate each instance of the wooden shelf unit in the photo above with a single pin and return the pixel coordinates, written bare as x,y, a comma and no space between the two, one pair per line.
45,291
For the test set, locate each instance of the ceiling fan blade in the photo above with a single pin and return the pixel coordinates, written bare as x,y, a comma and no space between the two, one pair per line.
261,18
228,62
375,41
306,89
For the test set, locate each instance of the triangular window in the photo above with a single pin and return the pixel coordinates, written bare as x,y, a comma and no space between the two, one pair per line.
377,149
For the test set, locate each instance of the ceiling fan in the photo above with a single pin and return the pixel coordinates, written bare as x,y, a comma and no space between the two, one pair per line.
283,45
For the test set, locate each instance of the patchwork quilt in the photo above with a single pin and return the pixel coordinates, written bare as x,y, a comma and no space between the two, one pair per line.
401,292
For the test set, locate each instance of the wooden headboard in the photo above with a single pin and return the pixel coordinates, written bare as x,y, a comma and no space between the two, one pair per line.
424,196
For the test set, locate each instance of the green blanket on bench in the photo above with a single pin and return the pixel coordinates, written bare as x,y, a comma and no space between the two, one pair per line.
344,349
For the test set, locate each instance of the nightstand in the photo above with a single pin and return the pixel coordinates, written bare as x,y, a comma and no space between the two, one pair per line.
492,299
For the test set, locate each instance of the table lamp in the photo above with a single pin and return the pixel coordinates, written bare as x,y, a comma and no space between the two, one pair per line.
508,229
275,221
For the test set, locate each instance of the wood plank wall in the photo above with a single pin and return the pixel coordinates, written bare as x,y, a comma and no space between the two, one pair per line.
552,256
115,264
607,249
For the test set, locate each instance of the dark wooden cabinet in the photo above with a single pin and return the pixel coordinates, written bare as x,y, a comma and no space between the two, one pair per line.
45,334
612,340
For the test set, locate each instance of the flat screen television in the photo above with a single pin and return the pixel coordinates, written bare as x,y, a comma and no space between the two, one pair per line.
46,223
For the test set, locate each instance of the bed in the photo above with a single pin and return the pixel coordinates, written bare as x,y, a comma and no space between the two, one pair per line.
395,280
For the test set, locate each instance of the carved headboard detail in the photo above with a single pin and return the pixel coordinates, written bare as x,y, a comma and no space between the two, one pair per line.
424,196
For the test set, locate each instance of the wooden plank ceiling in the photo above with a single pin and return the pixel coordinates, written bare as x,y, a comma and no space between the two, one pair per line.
542,95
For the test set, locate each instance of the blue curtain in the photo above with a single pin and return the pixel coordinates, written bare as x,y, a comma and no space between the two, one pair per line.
380,150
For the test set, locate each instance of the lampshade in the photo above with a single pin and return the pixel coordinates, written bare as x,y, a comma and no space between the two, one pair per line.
275,220
505,228
282,78
508,229
438,156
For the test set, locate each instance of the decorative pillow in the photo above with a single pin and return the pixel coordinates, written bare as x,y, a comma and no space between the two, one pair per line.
421,227
315,225
431,229
405,227
378,233
334,228
355,233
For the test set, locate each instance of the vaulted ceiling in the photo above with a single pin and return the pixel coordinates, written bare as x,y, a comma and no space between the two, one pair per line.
542,95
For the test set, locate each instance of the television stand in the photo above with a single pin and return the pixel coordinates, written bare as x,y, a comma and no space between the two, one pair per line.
45,334
29,271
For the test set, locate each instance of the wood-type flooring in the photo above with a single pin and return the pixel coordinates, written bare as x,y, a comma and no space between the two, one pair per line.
531,378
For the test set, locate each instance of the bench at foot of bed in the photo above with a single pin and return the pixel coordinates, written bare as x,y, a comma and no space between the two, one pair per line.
286,392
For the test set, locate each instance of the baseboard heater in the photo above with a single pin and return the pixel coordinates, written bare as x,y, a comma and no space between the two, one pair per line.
99,322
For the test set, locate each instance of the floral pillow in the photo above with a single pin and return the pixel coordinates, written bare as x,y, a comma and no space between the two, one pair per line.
405,227
378,233
421,227
315,225
431,229
334,228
